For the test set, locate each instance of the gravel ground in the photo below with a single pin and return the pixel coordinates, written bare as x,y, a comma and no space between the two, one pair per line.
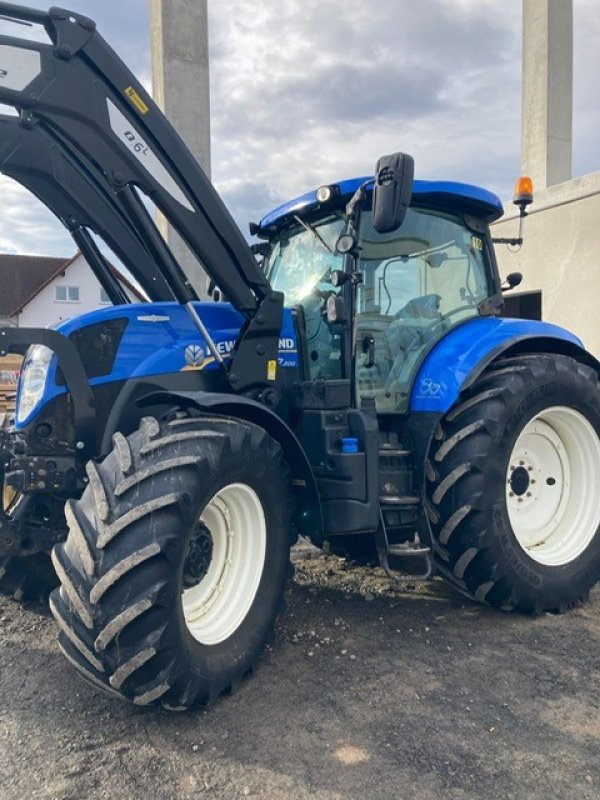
371,691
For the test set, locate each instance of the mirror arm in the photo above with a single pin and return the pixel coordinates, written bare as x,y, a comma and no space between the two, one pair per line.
357,198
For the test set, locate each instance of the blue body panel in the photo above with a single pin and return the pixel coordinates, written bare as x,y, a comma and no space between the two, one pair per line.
161,338
462,351
482,203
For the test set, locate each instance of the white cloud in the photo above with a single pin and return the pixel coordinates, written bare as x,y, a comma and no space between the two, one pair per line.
306,92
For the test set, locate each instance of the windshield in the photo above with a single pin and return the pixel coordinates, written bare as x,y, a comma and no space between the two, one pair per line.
302,259
300,264
418,282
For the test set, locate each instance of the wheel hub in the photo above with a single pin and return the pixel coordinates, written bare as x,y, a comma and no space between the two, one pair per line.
199,556
551,483
519,481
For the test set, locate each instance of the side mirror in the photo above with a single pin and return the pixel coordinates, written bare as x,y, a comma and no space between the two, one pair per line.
512,281
394,177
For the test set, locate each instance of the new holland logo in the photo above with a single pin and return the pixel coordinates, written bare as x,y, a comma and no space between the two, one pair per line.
194,355
430,388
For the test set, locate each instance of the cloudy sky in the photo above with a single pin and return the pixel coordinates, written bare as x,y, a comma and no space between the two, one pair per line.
306,92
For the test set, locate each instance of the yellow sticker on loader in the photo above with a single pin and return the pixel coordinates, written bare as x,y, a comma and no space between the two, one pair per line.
136,100
272,370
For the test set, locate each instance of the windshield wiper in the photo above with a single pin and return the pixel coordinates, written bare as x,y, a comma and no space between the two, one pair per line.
314,232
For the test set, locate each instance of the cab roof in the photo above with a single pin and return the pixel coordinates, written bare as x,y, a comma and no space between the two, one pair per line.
447,194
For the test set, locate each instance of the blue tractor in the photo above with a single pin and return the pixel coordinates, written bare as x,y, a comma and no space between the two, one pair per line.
355,383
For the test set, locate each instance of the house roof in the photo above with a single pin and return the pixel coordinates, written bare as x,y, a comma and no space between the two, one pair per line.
22,278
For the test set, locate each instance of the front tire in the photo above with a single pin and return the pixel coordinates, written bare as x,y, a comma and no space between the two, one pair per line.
513,480
176,561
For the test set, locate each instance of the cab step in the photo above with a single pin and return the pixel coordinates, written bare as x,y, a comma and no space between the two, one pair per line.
395,501
393,452
409,550
409,560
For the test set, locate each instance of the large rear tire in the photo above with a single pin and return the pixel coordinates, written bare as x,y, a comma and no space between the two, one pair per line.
513,482
176,561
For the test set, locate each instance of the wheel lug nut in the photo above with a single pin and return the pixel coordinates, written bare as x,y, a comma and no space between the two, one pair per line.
511,494
521,463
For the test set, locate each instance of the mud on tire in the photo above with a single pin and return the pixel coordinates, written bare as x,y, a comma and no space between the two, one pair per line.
474,498
136,543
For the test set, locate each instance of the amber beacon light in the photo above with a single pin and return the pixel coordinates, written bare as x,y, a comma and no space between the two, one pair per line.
522,198
523,192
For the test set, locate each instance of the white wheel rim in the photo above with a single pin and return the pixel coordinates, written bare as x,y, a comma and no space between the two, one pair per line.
551,486
216,607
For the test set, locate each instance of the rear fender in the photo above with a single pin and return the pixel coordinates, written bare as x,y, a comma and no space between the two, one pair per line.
466,352
308,515
456,362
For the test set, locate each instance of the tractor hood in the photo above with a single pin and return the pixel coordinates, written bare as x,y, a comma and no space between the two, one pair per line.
144,340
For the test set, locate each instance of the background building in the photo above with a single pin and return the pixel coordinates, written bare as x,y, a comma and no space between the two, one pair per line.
37,292
561,252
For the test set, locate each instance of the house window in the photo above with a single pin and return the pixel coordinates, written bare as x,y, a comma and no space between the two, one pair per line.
66,294
104,298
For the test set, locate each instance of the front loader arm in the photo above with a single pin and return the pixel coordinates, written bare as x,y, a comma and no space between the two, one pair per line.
77,193
88,110
79,88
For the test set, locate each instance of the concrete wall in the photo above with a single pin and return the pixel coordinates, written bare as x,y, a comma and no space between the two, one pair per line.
561,254
181,87
547,97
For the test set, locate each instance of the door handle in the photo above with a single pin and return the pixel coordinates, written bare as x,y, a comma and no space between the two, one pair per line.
368,348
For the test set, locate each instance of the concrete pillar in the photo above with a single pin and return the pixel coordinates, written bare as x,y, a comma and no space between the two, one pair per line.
181,87
547,112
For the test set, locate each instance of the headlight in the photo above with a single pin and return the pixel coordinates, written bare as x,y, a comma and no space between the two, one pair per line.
32,381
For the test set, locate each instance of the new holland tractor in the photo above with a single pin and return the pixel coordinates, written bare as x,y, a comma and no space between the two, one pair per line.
355,384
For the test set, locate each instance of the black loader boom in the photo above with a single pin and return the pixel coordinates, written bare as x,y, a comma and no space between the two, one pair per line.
80,196
90,143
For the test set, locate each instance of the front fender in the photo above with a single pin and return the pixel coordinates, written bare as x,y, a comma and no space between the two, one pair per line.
308,515
462,355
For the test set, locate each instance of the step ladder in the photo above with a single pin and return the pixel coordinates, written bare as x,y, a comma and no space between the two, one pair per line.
400,513
409,560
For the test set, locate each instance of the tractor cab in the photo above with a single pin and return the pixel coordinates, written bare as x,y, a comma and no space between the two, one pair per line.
408,287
